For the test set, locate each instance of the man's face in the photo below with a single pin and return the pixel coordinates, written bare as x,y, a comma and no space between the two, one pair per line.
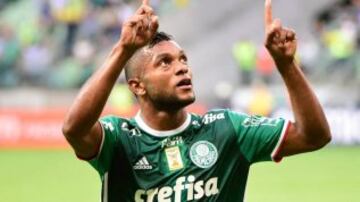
167,78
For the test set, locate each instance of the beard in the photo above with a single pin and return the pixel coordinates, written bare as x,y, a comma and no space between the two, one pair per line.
170,102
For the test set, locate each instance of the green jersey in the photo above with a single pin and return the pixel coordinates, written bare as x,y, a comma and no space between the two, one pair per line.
205,159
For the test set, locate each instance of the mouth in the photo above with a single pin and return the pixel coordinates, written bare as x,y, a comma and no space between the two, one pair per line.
184,84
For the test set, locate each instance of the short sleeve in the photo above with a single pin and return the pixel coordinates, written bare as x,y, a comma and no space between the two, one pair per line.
258,137
110,133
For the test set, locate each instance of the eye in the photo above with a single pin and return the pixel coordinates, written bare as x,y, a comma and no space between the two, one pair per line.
183,59
165,61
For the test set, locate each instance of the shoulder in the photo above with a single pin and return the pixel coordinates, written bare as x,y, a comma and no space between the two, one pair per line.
215,116
113,122
112,117
217,126
222,114
121,129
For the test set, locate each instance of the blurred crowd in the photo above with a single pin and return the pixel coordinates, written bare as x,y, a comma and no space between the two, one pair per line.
338,29
332,53
59,43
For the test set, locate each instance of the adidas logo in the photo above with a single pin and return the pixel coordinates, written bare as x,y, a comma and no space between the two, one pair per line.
142,164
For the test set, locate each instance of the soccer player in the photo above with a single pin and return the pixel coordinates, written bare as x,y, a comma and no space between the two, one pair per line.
167,154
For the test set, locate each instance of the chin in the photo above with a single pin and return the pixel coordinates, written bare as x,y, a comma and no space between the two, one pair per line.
182,102
189,99
174,104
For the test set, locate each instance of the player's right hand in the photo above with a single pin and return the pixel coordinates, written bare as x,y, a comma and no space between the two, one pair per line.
139,29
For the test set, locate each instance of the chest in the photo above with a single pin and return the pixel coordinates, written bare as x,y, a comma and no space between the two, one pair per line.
194,152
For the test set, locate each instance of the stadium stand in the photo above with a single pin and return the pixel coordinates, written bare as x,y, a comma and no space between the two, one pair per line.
45,58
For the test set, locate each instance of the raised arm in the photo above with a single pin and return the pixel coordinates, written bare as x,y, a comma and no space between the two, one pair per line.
310,130
80,127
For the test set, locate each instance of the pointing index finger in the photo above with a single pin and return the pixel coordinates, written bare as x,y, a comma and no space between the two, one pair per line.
146,2
268,14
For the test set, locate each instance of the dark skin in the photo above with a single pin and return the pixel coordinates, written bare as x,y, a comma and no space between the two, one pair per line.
310,130
162,101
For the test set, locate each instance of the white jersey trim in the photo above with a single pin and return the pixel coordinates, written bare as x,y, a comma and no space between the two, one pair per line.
106,181
161,133
280,141
102,142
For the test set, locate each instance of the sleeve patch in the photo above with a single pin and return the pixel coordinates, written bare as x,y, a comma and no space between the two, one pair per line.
211,117
255,121
108,125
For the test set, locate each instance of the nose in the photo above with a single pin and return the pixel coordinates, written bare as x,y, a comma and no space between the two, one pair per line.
182,69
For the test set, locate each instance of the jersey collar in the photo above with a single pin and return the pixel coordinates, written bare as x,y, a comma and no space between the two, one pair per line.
161,133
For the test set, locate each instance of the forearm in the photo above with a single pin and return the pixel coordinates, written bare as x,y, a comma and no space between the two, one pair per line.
310,120
92,98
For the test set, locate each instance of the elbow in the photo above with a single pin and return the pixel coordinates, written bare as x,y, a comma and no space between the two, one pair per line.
69,129
322,139
325,136
74,130
70,132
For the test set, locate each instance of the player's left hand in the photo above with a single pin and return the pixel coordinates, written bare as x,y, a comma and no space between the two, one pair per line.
280,41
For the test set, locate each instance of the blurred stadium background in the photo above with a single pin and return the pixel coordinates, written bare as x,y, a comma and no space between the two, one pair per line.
48,48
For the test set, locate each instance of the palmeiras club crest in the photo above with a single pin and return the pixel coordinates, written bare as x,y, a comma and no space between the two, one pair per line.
203,154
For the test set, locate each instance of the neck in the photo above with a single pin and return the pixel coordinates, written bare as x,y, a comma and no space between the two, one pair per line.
163,120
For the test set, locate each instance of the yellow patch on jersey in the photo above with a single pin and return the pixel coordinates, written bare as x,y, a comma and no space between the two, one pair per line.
174,159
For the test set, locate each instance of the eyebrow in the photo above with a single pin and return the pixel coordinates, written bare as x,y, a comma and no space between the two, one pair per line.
161,55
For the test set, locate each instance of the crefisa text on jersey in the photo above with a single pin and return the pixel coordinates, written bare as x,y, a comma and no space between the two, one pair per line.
195,190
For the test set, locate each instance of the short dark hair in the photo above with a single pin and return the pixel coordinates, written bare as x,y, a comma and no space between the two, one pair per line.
129,67
159,37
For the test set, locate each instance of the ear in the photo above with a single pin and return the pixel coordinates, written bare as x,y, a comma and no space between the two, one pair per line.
137,87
